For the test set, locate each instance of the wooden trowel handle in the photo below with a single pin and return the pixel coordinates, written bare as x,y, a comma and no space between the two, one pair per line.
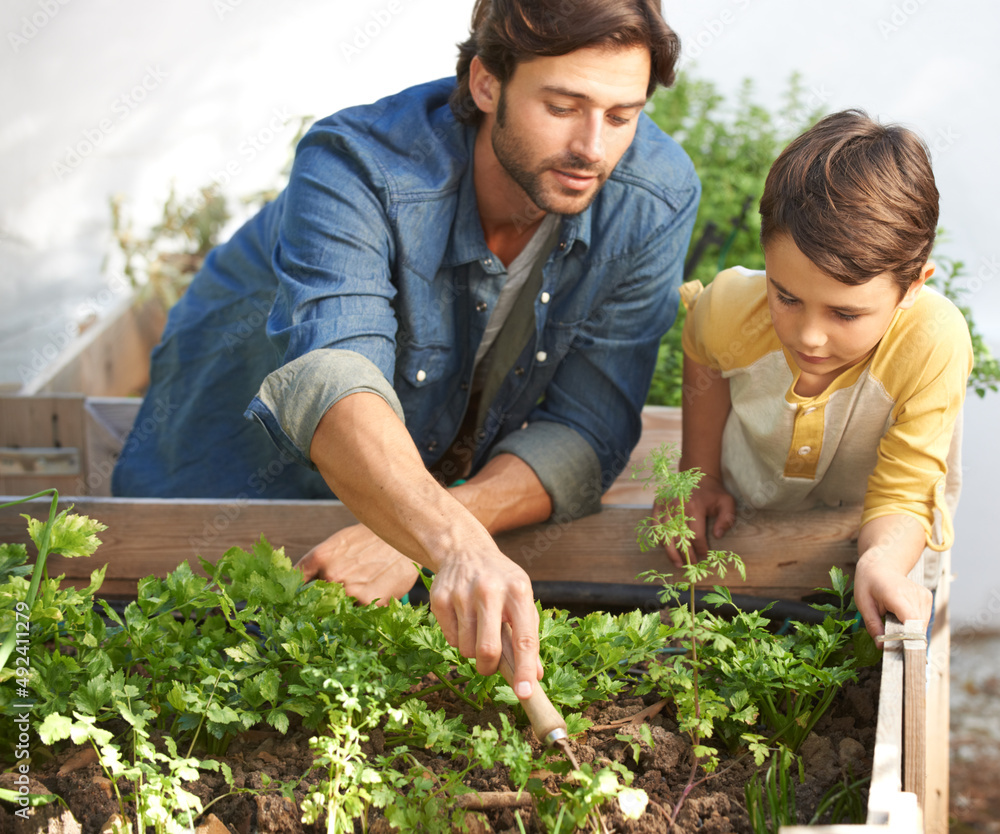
545,719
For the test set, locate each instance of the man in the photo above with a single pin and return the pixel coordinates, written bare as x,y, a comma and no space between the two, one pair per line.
466,281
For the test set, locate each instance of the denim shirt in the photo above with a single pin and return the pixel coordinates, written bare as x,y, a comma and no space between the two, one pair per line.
371,267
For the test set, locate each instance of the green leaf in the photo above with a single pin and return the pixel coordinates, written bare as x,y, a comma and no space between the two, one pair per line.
13,562
72,535
54,728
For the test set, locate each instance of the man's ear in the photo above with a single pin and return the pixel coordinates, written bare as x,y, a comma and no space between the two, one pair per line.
914,289
484,86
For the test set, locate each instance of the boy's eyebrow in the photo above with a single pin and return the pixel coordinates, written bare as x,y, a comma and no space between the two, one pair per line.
565,91
840,308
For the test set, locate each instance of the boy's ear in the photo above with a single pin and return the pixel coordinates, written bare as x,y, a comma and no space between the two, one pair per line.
484,86
914,289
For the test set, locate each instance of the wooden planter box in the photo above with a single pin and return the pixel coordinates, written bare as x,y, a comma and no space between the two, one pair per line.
69,441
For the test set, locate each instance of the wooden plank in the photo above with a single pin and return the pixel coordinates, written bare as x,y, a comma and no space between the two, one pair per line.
915,708
936,798
110,358
107,422
660,425
51,423
792,552
887,762
152,536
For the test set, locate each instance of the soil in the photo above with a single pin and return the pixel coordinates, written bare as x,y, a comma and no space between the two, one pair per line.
841,744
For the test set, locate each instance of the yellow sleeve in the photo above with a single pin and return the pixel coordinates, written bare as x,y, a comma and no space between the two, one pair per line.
926,372
727,324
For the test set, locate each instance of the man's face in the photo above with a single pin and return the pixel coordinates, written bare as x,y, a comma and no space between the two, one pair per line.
562,123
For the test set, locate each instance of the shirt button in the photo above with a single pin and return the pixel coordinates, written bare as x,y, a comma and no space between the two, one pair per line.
432,446
562,244
519,371
805,450
421,375
488,262
545,298
481,306
541,356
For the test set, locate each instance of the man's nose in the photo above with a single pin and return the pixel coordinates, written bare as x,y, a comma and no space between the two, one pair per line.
588,144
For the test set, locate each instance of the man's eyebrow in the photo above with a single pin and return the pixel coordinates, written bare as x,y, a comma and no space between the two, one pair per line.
565,91
840,308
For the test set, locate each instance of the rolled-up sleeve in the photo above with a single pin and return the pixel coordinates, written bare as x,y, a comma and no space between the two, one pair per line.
332,321
293,399
564,462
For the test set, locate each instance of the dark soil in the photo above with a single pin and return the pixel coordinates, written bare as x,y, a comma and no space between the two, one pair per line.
840,745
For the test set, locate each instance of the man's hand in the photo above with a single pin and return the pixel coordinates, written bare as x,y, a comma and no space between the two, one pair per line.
368,458
472,597
366,566
709,500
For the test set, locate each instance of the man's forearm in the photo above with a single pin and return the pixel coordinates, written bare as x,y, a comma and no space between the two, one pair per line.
367,457
505,494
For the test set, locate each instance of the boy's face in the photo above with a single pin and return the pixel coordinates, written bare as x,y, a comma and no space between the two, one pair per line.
560,124
828,326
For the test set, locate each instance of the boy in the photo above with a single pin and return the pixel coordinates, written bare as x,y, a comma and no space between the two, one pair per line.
836,376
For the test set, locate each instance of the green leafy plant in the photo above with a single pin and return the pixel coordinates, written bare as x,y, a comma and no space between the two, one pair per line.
771,801
701,710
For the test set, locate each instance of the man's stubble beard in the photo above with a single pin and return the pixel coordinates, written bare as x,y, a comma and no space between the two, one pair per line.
513,157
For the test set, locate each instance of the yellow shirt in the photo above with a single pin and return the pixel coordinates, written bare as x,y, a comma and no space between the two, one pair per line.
885,433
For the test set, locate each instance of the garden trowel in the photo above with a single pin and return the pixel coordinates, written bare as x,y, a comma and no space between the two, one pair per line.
548,724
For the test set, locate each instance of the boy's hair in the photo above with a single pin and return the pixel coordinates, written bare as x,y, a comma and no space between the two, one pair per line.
857,197
505,33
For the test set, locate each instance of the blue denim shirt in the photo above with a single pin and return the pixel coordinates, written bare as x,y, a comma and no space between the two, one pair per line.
372,267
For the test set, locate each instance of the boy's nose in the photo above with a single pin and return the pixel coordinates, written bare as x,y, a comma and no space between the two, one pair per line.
812,336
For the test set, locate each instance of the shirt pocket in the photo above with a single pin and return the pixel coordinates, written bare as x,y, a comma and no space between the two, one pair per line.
421,366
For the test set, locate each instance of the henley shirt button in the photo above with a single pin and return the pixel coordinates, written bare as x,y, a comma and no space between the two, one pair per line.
805,450
545,298
421,375
541,356
481,306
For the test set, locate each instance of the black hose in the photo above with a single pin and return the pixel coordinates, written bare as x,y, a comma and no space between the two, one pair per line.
620,595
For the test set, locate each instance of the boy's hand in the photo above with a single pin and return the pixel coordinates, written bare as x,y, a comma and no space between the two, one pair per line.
879,587
709,500
888,547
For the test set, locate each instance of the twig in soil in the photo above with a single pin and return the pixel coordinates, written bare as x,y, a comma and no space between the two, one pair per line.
490,800
638,718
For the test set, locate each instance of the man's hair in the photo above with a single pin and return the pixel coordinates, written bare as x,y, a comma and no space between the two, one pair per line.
857,197
505,33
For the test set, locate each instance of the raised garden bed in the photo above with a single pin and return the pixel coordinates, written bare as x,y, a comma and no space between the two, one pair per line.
787,558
